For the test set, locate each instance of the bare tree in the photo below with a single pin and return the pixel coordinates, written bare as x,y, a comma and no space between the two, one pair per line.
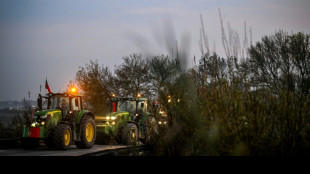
97,84
162,72
131,76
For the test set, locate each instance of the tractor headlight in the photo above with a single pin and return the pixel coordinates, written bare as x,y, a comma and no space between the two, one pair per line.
33,125
113,118
42,123
159,122
113,123
107,117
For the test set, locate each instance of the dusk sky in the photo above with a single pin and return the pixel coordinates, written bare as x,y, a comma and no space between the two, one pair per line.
52,38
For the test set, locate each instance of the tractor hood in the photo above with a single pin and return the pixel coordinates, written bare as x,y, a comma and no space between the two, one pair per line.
111,115
45,112
119,113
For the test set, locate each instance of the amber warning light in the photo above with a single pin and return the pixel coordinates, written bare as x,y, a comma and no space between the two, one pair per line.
73,90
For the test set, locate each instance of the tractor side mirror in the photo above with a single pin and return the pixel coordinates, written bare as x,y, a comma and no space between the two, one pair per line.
40,102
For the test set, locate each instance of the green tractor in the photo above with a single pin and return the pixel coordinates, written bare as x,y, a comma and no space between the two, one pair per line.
62,122
129,122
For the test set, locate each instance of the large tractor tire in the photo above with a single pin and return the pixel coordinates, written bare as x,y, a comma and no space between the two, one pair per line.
119,131
88,133
151,131
130,134
29,143
118,136
62,136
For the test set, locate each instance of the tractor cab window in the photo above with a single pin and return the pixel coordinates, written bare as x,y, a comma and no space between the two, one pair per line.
44,103
129,106
59,102
142,105
76,103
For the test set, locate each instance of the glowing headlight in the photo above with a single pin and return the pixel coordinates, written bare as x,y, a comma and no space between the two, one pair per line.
42,123
113,123
113,118
33,125
165,122
107,117
159,122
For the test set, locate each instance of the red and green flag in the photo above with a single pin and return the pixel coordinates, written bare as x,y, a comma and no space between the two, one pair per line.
47,87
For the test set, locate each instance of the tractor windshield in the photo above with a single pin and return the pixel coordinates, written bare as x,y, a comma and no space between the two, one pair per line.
129,106
59,102
132,107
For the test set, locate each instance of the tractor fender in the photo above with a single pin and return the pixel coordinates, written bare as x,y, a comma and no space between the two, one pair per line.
134,122
66,122
82,114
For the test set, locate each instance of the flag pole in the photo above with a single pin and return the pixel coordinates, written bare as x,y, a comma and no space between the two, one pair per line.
45,86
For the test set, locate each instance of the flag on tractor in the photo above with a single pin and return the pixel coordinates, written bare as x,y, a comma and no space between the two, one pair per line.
47,87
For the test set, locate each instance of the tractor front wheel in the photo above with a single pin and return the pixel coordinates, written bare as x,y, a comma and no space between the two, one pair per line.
62,136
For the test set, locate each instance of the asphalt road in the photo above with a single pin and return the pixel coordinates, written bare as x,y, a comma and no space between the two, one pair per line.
42,150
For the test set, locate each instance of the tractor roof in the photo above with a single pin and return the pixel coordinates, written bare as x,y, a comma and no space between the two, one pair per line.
63,94
130,99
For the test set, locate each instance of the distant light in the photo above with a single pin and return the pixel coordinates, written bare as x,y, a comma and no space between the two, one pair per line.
113,95
73,90
139,95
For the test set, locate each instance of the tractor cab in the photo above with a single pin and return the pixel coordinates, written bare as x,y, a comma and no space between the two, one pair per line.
137,107
69,104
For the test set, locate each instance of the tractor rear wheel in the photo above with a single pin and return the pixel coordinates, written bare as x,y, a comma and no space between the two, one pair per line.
62,136
130,134
88,133
151,131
